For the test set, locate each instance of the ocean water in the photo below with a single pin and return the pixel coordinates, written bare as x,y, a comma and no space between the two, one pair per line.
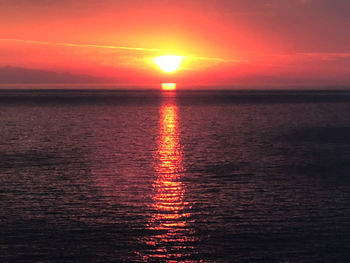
186,176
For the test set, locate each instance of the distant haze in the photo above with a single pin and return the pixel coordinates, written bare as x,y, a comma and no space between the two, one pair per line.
14,75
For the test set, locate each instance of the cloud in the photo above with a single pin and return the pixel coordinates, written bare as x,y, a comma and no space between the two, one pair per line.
125,51
310,56
82,45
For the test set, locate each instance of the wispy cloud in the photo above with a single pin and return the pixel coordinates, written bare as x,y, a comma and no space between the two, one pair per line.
309,56
82,45
221,60
325,56
215,60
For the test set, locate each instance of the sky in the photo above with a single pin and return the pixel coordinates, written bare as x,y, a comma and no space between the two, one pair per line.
251,42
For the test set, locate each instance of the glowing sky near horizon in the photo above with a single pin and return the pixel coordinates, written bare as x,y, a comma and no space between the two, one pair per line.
224,41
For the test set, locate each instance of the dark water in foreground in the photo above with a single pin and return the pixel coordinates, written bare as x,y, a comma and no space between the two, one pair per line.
186,177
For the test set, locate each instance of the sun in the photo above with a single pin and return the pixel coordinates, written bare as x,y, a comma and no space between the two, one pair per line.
169,63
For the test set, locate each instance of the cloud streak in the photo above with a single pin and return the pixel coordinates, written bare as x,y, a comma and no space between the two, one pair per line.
81,45
310,56
141,49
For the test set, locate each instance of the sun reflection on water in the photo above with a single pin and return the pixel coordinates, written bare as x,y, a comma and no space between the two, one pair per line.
168,86
171,237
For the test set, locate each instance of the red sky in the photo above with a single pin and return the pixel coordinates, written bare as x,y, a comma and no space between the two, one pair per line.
254,42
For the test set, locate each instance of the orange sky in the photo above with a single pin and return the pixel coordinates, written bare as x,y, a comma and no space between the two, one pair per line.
225,41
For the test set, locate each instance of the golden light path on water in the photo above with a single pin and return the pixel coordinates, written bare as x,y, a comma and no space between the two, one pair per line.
172,235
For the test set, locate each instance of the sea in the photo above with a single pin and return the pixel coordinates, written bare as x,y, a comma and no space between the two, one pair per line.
174,176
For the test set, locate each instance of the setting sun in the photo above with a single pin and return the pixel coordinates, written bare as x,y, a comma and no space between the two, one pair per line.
168,63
